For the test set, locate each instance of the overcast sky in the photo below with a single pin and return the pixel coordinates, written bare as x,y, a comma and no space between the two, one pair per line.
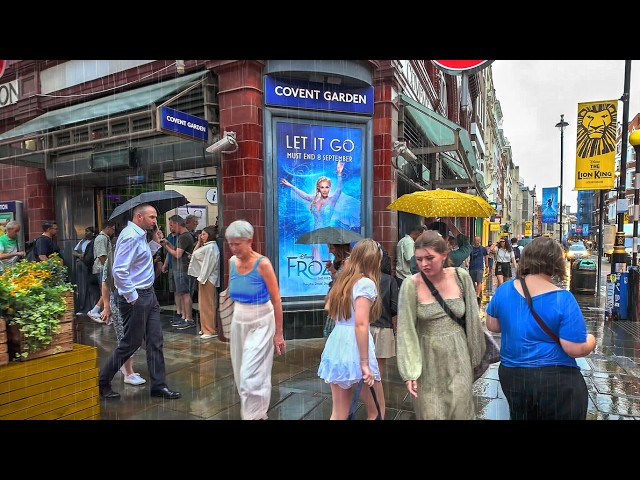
534,93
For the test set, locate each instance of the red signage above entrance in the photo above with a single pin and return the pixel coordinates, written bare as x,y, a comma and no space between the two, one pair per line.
456,67
3,64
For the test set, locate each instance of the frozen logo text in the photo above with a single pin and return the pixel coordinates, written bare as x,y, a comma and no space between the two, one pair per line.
303,266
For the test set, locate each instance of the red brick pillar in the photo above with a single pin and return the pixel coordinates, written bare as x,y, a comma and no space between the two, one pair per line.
29,185
240,98
385,131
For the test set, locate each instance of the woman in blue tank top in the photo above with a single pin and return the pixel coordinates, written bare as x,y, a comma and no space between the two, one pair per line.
256,325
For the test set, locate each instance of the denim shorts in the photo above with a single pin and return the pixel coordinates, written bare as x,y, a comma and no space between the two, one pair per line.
183,282
476,275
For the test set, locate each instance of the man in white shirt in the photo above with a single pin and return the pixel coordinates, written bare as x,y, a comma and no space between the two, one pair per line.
133,276
404,251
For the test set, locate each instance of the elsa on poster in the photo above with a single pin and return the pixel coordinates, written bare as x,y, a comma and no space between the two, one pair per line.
322,203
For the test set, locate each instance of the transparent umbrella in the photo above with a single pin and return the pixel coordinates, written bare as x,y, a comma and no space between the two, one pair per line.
334,235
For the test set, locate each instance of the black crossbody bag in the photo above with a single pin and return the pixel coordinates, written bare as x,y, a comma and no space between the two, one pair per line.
434,291
492,350
543,325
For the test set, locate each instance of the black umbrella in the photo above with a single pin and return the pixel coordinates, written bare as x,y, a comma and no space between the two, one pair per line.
162,200
335,235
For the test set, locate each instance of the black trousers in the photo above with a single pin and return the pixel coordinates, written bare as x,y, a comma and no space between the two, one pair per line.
141,322
546,393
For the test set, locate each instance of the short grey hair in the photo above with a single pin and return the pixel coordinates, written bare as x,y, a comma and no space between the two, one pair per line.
239,229
11,224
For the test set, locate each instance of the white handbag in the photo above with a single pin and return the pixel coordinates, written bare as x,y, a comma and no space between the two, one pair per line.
225,309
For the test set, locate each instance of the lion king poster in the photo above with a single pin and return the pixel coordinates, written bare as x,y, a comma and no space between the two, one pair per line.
596,145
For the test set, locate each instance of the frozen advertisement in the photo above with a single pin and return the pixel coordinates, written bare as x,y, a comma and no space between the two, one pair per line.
585,230
550,205
319,185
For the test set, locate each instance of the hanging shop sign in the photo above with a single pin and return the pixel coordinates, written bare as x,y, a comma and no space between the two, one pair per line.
182,124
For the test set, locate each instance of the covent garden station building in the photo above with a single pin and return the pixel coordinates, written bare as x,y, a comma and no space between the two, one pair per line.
240,139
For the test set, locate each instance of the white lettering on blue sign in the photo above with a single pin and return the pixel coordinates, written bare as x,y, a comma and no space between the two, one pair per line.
329,96
184,123
297,92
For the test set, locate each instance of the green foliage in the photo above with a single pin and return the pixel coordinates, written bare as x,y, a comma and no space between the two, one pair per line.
32,297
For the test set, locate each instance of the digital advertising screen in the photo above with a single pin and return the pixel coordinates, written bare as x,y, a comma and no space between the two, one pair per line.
319,185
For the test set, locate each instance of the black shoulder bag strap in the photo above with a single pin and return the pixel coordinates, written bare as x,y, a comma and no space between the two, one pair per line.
543,325
443,304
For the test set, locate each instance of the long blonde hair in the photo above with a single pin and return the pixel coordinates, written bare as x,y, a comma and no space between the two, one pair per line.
364,261
318,182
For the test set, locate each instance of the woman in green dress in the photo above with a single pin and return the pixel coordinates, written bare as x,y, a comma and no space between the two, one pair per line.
434,353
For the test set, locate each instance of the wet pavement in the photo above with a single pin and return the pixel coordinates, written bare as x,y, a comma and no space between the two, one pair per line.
201,371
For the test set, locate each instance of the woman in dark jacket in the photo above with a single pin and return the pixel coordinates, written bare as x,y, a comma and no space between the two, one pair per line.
340,252
383,330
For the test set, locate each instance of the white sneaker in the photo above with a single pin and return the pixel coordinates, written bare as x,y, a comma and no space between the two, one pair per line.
95,317
134,379
207,336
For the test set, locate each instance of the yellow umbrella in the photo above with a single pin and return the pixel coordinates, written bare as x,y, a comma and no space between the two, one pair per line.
443,203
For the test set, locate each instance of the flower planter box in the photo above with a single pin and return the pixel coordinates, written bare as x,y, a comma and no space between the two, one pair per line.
60,387
4,348
62,341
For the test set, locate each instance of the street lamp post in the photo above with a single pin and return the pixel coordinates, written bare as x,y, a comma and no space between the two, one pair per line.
619,256
561,125
634,140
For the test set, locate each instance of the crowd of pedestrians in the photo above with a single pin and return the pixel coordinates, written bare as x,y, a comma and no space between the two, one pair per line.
427,314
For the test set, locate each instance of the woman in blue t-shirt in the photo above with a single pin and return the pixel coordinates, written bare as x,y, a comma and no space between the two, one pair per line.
539,374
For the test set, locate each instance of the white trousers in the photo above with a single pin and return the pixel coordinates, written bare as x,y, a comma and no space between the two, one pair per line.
251,346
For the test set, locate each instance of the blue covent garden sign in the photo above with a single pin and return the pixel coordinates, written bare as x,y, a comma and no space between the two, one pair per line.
318,96
182,124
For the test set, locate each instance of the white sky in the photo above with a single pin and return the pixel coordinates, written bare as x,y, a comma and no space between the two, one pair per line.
534,93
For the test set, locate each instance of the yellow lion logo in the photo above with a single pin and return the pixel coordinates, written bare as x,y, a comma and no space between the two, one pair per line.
596,130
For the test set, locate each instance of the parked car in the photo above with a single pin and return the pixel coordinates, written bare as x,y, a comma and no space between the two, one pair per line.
577,251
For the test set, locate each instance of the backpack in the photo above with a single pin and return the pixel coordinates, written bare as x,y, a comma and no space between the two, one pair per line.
516,252
28,248
87,257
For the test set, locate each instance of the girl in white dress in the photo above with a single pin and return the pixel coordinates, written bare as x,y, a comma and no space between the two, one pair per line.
349,353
